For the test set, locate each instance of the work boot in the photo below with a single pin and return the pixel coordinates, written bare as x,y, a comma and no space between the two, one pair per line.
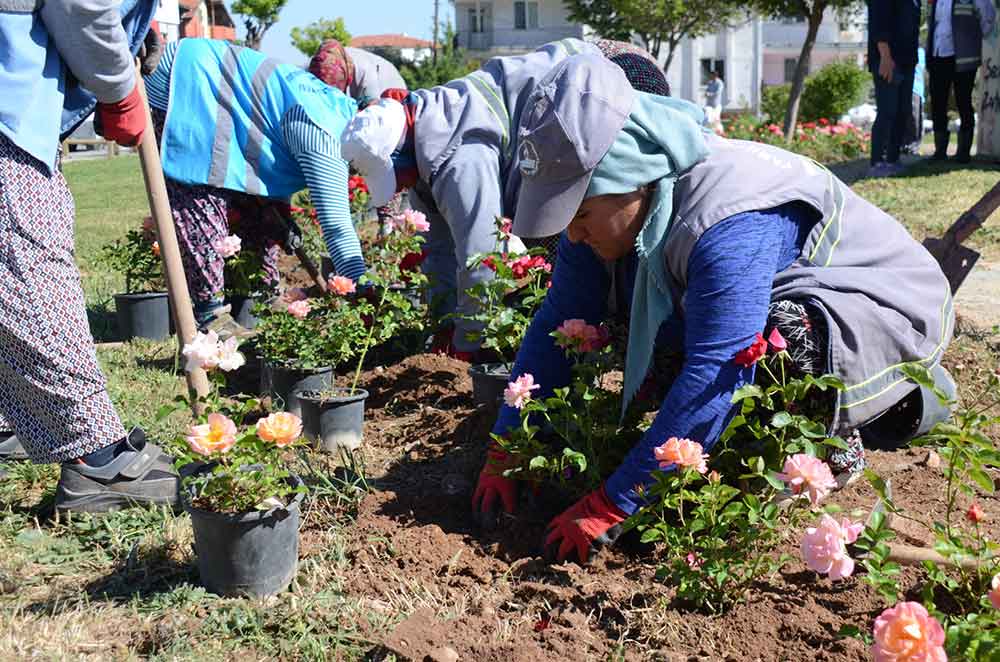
226,326
140,474
941,139
964,153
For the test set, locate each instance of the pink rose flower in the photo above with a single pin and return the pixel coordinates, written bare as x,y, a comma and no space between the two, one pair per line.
824,547
506,225
578,335
281,428
693,561
975,514
777,341
523,266
202,352
755,352
216,436
518,392
229,358
805,473
294,294
994,594
341,285
681,453
907,633
227,247
299,309
412,221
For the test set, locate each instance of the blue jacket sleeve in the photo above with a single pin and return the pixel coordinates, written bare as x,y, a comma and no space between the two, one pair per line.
726,305
580,286
326,174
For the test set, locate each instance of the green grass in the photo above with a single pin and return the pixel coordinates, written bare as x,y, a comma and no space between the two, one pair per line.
124,586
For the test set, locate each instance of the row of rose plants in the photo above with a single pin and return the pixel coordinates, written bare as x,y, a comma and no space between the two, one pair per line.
823,140
720,521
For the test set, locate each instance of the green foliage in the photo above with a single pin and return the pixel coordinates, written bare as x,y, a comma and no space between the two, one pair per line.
451,64
833,90
657,23
508,301
328,336
822,141
244,274
137,257
774,102
258,17
309,38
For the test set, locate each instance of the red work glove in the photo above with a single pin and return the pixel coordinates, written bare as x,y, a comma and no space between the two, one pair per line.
494,489
124,121
591,522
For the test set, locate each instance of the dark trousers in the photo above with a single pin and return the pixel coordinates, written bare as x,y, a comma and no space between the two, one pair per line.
894,103
943,77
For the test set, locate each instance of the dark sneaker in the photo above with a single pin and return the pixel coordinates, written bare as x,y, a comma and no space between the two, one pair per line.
11,449
140,474
226,326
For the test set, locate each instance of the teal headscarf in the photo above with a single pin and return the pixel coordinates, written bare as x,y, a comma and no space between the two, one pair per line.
662,138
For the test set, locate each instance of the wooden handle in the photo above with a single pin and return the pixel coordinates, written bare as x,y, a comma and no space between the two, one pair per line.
173,268
974,218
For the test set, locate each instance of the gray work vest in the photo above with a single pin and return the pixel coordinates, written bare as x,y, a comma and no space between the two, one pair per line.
966,34
21,6
885,298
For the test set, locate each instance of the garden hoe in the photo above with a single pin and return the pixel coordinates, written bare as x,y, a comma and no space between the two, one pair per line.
173,268
955,259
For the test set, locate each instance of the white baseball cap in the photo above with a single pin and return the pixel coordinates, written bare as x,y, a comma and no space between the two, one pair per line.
368,142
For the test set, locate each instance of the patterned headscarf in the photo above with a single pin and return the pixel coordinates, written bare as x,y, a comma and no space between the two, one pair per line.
333,65
644,74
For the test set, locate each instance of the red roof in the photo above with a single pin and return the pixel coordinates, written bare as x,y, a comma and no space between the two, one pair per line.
389,41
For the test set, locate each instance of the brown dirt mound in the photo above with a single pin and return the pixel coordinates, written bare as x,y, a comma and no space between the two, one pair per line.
416,554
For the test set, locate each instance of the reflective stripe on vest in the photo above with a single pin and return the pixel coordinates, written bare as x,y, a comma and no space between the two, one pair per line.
496,105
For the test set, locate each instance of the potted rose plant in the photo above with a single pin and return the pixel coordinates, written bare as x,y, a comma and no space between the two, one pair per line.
142,310
506,304
244,277
243,502
335,416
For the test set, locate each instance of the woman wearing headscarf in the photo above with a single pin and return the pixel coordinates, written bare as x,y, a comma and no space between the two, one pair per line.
61,60
463,171
242,131
712,241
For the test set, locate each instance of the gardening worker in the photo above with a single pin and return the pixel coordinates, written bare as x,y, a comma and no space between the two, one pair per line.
363,76
462,171
955,51
712,241
245,131
60,60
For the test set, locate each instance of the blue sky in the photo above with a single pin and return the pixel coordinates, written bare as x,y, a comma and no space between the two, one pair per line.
412,17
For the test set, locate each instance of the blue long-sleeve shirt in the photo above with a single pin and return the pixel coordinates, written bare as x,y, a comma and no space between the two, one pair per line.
730,273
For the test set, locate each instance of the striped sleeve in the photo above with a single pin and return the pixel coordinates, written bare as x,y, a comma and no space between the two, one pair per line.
158,82
318,155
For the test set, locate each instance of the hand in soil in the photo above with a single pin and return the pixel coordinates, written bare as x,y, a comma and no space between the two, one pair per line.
591,522
494,490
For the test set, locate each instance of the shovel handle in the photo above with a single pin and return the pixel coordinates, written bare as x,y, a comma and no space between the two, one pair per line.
974,218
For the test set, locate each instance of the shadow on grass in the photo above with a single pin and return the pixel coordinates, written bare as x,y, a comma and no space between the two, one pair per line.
851,172
103,323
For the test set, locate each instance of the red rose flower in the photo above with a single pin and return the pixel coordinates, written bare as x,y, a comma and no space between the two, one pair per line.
755,352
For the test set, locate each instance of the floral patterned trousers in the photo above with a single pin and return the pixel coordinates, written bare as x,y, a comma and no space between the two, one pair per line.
52,392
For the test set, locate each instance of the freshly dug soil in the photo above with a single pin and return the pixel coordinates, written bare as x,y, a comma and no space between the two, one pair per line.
414,551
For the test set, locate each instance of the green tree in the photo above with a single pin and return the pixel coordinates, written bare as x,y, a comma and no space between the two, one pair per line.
451,64
812,12
311,37
658,23
258,17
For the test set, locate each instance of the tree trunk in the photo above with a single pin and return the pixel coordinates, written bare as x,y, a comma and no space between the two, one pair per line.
671,49
802,69
254,35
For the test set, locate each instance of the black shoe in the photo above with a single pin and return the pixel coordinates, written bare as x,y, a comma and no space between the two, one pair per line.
140,474
941,139
965,137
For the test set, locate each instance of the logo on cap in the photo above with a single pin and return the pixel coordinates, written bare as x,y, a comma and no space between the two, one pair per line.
528,158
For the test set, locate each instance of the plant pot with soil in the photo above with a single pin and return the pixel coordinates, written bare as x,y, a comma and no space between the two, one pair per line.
245,279
505,305
143,309
334,418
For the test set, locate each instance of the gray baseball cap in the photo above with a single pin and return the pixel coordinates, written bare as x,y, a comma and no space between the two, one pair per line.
569,123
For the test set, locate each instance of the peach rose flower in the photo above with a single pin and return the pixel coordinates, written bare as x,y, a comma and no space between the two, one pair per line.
282,428
216,436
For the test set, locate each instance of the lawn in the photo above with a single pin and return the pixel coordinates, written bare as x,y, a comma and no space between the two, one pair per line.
123,586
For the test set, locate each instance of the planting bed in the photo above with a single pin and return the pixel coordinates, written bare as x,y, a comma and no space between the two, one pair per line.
414,554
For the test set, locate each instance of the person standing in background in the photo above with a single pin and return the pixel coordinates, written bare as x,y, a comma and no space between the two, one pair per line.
955,46
914,135
893,36
713,99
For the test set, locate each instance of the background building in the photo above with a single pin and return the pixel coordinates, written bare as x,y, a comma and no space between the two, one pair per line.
206,18
504,27
410,49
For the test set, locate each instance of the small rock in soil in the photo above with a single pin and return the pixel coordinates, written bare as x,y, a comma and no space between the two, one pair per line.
933,460
443,654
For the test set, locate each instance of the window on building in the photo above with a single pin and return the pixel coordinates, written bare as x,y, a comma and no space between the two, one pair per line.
790,64
525,15
481,22
708,65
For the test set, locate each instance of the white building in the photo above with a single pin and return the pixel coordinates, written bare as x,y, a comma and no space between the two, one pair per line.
506,27
840,37
168,19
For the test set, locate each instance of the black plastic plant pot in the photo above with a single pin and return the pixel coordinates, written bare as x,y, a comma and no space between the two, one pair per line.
488,383
241,308
334,418
145,315
247,554
283,383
